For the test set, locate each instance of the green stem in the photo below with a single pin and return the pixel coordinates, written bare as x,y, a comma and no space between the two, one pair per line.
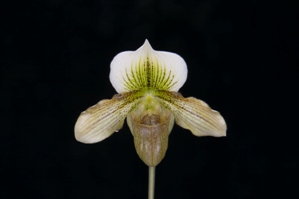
151,182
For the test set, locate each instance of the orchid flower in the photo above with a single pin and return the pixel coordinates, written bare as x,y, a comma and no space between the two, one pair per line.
147,83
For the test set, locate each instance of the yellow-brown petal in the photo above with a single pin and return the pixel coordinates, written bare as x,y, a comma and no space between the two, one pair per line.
107,116
193,114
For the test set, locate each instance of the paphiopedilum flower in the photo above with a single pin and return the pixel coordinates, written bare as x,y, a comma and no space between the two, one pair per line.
147,83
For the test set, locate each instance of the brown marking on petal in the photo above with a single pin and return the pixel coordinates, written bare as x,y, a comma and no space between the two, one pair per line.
101,120
193,114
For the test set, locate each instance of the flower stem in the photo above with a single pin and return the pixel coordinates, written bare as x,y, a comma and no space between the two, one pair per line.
151,182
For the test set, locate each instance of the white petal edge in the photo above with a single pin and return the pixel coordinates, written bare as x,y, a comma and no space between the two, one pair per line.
129,70
103,119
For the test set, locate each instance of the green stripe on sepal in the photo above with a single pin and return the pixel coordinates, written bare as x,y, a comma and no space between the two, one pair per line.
147,68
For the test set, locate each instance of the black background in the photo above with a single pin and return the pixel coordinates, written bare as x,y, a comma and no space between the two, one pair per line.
242,58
